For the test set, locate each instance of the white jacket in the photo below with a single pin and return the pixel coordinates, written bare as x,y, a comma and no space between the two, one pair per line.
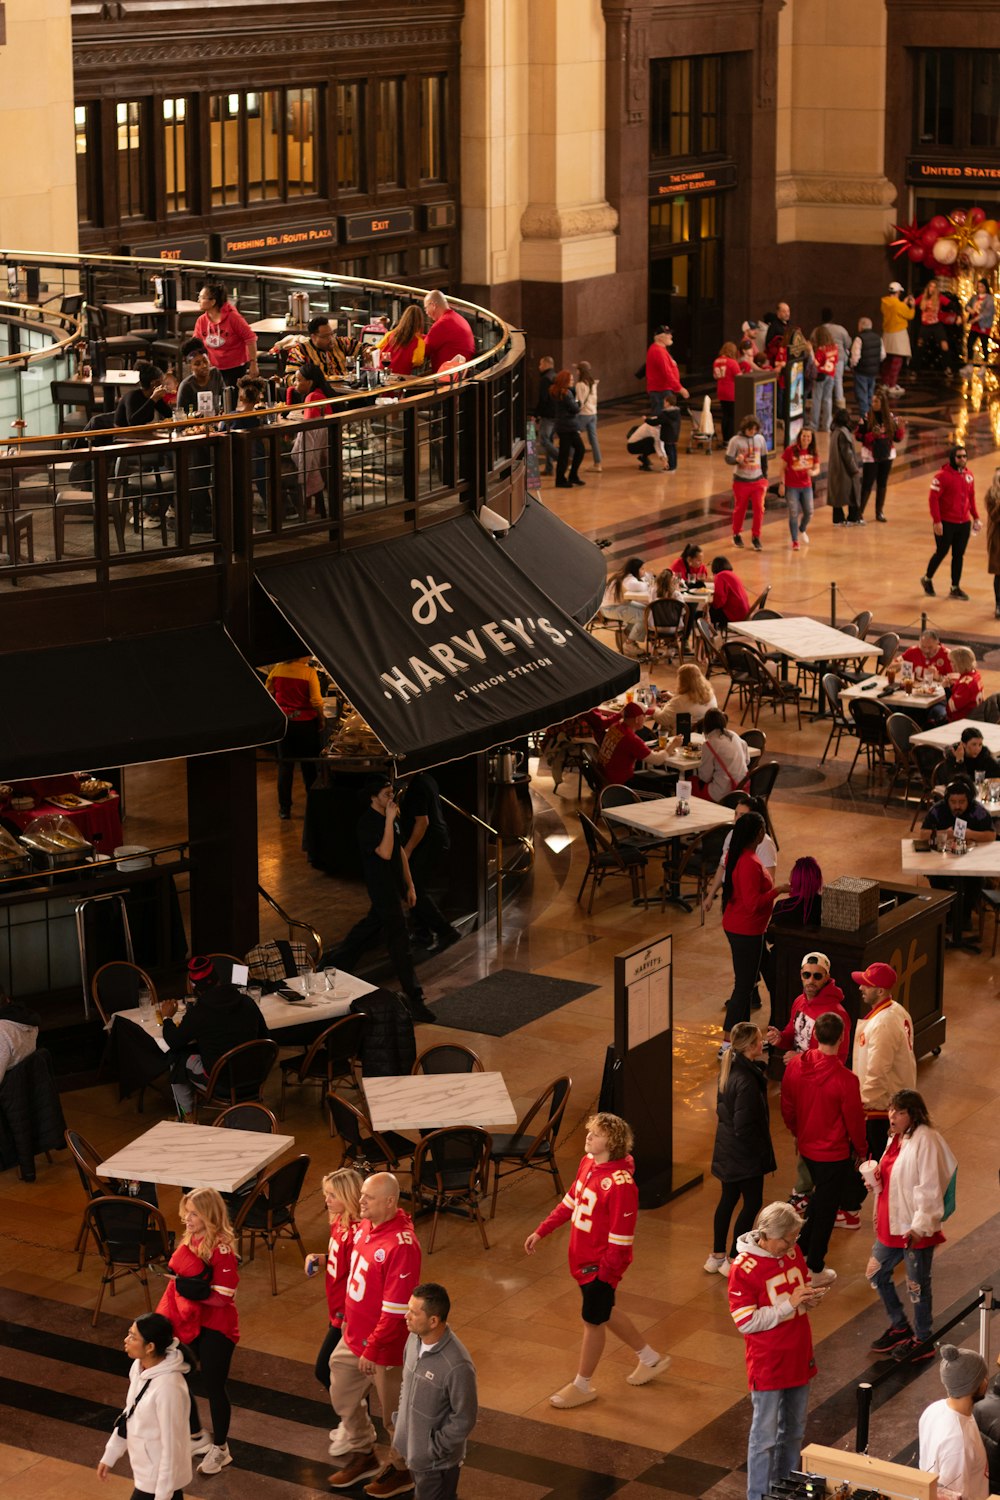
918,1182
883,1056
158,1442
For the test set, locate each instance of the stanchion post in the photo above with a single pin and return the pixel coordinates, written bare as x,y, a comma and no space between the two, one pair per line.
923,621
833,606
985,1308
864,1412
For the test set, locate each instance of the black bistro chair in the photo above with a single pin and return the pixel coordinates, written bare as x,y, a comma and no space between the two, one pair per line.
451,1169
269,1212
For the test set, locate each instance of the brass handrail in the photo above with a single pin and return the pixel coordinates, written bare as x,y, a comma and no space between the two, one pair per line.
58,346
291,922
96,866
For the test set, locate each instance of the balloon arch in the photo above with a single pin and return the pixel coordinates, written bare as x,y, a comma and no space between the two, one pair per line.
966,241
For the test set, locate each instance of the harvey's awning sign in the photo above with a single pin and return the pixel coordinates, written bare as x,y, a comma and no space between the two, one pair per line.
443,643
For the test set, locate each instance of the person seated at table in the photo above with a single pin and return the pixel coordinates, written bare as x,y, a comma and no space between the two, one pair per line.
959,801
725,759
927,654
310,388
403,346
969,756
689,567
560,739
622,749
666,585
963,685
626,595
218,1018
323,348
149,401
18,1032
203,379
693,695
730,602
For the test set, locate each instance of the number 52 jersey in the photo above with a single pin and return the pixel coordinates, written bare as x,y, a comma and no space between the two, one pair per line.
601,1206
779,1346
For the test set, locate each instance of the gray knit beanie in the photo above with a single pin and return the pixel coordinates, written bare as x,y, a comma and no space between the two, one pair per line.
962,1370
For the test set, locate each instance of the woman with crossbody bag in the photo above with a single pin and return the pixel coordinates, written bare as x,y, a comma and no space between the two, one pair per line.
153,1426
725,760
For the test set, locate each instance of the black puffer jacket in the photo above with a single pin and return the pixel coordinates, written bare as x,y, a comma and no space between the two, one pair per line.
31,1117
389,1048
743,1137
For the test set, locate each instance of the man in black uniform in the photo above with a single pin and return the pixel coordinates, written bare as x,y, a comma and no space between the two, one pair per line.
425,838
391,891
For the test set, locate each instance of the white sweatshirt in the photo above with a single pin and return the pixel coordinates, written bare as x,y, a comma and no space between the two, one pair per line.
158,1442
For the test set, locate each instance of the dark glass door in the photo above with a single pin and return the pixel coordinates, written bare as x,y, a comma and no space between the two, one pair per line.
685,290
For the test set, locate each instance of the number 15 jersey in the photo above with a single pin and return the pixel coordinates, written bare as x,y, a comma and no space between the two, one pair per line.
385,1267
601,1206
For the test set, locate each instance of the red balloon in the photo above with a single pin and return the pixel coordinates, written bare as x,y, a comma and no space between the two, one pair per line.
959,216
976,216
932,264
938,223
916,254
930,236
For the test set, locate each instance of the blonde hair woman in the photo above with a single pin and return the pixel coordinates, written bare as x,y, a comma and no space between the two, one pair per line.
342,1196
693,695
965,683
200,1303
743,1151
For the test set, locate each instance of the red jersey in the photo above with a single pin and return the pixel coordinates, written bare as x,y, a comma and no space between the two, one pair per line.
448,336
953,496
601,1206
965,694
799,464
779,1348
619,750
338,1264
662,373
940,661
385,1267
826,359
724,373
729,596
218,1309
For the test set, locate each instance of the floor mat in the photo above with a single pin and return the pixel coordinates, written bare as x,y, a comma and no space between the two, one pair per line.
503,1002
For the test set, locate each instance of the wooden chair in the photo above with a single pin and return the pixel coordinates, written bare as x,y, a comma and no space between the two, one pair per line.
246,1117
607,622
334,1055
451,1169
237,1078
131,1235
604,859
532,1147
448,1057
269,1212
756,739
773,690
742,676
760,783
116,986
714,659
759,603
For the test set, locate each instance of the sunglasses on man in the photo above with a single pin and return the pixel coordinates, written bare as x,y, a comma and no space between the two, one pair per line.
813,974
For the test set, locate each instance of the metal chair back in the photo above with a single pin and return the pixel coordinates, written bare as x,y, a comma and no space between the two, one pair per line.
239,1075
247,1117
863,620
448,1057
451,1167
117,986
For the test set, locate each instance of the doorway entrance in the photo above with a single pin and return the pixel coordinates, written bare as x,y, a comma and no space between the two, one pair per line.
685,281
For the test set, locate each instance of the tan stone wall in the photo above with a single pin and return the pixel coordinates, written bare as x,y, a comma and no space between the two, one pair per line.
37,160
831,185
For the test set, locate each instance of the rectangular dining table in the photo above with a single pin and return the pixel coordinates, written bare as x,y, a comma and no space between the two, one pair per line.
179,1155
801,638
943,736
659,816
901,698
687,764
431,1101
981,859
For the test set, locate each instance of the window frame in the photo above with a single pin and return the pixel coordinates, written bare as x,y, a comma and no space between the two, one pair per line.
962,61
661,69
253,116
144,159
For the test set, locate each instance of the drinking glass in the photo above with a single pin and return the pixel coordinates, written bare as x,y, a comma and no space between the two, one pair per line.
145,1003
315,984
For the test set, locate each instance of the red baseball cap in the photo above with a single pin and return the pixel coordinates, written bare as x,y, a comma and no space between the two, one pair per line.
631,709
880,976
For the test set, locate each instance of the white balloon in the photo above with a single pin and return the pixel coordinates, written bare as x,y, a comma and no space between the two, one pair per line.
979,259
982,239
945,252
992,259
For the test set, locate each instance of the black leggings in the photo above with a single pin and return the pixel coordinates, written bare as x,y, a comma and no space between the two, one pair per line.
954,538
875,476
326,1348
746,950
751,1190
215,1354
148,1495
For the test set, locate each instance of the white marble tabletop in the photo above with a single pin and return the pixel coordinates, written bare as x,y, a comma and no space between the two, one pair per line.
176,1155
981,859
901,698
946,735
148,308
660,816
804,639
682,762
429,1101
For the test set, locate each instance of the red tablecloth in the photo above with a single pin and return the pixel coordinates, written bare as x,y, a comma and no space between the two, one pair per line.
100,822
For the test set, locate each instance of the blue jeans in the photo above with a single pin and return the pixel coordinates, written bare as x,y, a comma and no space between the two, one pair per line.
800,509
838,381
775,1447
918,1284
588,426
546,427
864,389
631,615
822,402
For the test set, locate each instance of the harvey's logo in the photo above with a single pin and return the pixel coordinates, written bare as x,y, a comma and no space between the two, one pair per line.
514,643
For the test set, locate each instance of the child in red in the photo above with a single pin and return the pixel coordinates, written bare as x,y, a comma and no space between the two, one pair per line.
200,1303
342,1196
801,463
602,1206
724,372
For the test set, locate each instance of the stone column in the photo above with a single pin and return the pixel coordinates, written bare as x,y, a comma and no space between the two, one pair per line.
37,162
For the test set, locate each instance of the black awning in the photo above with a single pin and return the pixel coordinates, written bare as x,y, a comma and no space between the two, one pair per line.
442,643
123,702
563,564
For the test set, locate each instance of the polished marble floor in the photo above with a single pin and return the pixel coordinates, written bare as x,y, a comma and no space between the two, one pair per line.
686,1433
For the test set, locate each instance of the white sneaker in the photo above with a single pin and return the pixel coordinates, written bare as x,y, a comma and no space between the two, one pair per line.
200,1443
714,1263
822,1278
215,1460
803,537
151,523
725,1267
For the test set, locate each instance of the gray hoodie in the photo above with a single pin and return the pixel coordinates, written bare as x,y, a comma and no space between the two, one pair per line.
437,1404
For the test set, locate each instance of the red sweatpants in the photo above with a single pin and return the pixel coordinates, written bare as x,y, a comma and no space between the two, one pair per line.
891,366
748,492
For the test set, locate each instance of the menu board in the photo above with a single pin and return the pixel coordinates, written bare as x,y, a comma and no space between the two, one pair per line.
647,975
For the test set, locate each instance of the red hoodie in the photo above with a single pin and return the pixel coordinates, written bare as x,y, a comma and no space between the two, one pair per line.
821,1105
602,1204
953,496
797,1036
